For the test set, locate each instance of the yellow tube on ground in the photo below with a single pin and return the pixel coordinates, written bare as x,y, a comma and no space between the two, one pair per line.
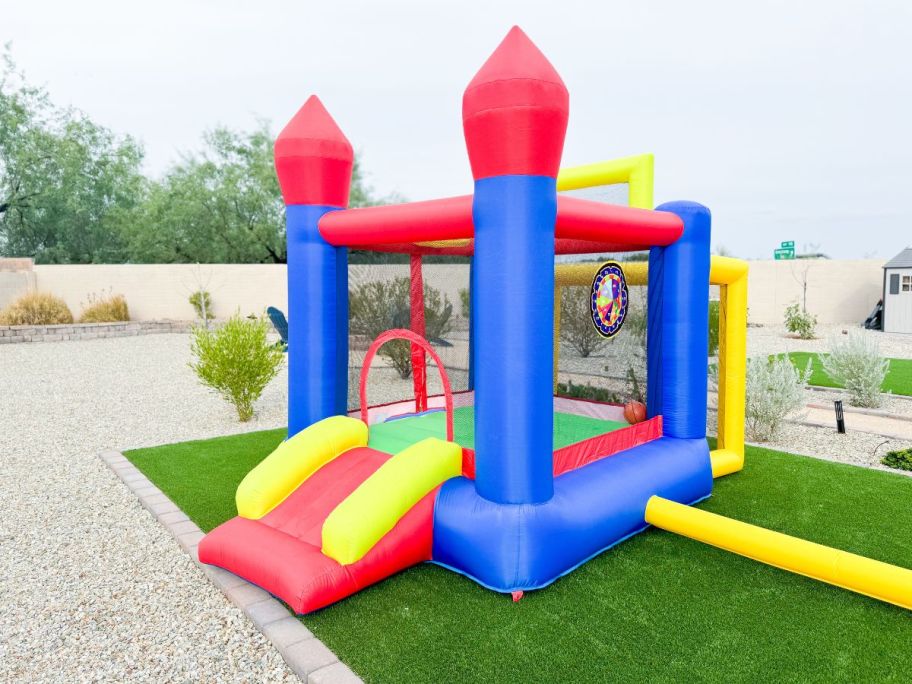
866,576
374,508
294,460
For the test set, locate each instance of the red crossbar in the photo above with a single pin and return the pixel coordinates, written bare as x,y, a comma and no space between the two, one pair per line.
451,219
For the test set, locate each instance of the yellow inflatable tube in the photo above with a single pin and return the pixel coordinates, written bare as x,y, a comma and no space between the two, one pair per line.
856,573
375,507
296,459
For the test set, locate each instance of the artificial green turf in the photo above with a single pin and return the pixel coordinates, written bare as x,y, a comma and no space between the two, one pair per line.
656,608
898,380
395,435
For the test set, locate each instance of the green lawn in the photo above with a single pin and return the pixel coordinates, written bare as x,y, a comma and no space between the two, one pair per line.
898,380
657,608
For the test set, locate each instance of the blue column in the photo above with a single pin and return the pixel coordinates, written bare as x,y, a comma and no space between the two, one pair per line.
317,321
685,323
513,313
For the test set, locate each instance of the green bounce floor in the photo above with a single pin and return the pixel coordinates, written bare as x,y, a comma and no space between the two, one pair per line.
396,435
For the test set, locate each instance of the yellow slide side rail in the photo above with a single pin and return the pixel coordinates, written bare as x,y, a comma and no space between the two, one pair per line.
374,508
296,459
866,576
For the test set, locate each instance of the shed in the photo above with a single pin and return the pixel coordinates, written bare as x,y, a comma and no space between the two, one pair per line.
897,300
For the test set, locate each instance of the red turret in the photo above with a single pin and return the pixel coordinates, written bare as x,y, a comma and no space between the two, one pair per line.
515,111
313,158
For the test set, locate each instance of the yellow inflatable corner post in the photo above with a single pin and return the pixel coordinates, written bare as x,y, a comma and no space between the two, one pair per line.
296,459
374,508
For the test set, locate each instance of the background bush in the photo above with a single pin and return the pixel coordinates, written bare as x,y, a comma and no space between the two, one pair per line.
775,389
105,309
576,326
378,306
855,362
901,459
36,308
587,391
713,327
800,322
465,303
236,360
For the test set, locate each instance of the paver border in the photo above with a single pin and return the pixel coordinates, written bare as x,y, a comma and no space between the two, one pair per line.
308,657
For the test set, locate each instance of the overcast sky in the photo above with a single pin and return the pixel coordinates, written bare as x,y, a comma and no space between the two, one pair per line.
790,120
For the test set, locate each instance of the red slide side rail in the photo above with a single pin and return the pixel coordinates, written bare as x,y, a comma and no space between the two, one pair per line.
451,219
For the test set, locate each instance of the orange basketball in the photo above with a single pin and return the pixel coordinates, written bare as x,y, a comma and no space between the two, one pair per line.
634,412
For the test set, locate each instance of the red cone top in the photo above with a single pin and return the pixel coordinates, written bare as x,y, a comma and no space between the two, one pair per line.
514,112
313,158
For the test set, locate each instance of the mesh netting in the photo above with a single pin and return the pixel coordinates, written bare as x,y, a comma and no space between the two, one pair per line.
617,193
379,301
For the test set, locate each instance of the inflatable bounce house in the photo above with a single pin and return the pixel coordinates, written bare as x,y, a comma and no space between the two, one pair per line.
503,482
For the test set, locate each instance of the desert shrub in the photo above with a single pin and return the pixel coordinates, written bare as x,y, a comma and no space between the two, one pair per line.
630,345
108,308
576,327
465,302
587,391
713,327
236,360
901,459
201,301
775,389
36,308
378,306
800,322
855,363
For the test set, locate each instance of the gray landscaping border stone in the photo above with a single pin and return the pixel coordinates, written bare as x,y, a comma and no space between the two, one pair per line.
307,656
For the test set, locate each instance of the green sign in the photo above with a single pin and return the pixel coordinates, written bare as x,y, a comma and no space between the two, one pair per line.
780,254
788,244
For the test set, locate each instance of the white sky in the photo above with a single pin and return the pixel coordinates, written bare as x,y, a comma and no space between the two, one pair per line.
790,120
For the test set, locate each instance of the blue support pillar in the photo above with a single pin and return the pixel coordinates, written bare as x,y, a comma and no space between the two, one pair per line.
685,324
513,313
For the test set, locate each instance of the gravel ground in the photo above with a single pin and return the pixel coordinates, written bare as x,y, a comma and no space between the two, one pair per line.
775,339
93,588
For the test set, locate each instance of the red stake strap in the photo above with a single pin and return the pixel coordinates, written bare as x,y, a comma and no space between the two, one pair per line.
416,321
402,334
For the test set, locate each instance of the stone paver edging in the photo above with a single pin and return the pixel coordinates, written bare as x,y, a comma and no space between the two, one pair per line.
306,655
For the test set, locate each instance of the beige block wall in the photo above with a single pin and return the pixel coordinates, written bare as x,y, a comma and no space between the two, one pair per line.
838,291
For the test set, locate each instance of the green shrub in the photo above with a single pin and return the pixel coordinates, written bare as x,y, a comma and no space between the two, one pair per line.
236,360
800,322
713,327
378,306
775,389
576,326
901,459
465,302
587,391
855,363
105,309
36,308
201,302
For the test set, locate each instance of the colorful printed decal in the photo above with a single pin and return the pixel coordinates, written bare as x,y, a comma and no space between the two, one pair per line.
608,301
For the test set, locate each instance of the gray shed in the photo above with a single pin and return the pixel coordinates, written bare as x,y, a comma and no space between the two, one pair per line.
897,300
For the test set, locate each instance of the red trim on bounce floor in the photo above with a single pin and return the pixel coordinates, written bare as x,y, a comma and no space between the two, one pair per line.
281,552
590,450
313,158
416,323
403,334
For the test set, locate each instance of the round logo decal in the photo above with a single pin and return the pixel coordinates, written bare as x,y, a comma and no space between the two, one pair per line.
608,299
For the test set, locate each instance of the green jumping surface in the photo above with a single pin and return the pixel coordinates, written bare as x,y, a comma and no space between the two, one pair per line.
396,435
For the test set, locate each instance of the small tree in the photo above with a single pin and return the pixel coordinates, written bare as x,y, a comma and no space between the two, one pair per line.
800,322
855,363
201,301
775,389
576,326
236,360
